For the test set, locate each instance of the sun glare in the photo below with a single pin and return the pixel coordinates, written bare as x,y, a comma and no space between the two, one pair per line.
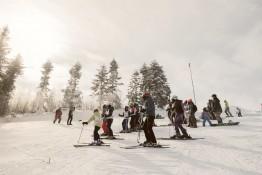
36,36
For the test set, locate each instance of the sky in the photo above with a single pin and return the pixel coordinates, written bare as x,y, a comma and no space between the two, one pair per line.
221,39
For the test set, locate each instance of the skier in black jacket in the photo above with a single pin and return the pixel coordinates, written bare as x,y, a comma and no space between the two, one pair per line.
216,108
149,121
178,114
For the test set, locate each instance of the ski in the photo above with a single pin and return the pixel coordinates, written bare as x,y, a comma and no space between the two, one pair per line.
89,144
142,146
165,138
108,138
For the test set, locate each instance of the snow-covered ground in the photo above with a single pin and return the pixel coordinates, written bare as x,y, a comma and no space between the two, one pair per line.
34,145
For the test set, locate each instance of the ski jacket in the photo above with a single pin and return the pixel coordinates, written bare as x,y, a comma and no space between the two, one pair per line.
96,117
216,107
58,113
178,107
205,115
109,114
125,114
226,104
150,107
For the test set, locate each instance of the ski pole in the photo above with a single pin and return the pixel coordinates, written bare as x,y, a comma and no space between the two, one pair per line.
189,65
80,134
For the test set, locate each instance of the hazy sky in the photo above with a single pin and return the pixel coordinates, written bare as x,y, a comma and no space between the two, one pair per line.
222,39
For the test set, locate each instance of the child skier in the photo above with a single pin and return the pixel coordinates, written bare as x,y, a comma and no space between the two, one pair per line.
206,117
96,117
125,120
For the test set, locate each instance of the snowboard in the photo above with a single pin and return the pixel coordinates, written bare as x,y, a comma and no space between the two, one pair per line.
226,124
142,146
89,144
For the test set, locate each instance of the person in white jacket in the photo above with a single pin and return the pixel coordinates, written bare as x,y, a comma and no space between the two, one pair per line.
96,117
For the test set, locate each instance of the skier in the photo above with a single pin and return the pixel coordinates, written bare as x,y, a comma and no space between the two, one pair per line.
227,110
216,108
96,117
178,115
206,117
169,111
136,116
239,113
109,121
132,115
70,116
125,120
58,114
104,124
209,108
149,121
190,110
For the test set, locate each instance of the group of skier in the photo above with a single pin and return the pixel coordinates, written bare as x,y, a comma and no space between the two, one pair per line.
179,113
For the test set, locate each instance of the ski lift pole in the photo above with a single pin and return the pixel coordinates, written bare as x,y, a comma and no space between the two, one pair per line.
189,65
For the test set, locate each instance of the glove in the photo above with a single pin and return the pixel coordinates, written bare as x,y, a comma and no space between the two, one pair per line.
85,123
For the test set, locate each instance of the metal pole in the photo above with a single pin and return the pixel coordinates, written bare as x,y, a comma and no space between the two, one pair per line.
189,65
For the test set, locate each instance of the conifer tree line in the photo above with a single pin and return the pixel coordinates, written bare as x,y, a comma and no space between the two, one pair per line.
105,85
150,78
10,69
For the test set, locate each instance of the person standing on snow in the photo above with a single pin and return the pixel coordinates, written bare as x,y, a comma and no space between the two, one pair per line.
190,110
58,115
239,114
70,116
149,121
216,108
104,124
209,109
178,115
109,121
206,117
96,117
125,120
227,110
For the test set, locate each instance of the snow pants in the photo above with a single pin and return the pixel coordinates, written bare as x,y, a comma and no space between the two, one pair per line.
69,120
125,124
57,118
109,124
96,135
104,126
218,118
148,129
178,124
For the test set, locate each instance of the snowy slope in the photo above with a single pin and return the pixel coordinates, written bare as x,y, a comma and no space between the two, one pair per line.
34,145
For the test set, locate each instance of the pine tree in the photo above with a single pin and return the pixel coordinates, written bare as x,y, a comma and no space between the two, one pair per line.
43,94
134,90
145,81
113,84
9,71
158,86
4,50
72,94
100,84
14,69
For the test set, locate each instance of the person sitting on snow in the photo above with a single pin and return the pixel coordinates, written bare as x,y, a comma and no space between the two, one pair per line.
96,117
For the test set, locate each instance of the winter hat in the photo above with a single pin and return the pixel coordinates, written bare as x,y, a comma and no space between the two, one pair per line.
214,95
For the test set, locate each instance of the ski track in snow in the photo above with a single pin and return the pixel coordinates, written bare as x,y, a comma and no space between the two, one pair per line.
34,145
